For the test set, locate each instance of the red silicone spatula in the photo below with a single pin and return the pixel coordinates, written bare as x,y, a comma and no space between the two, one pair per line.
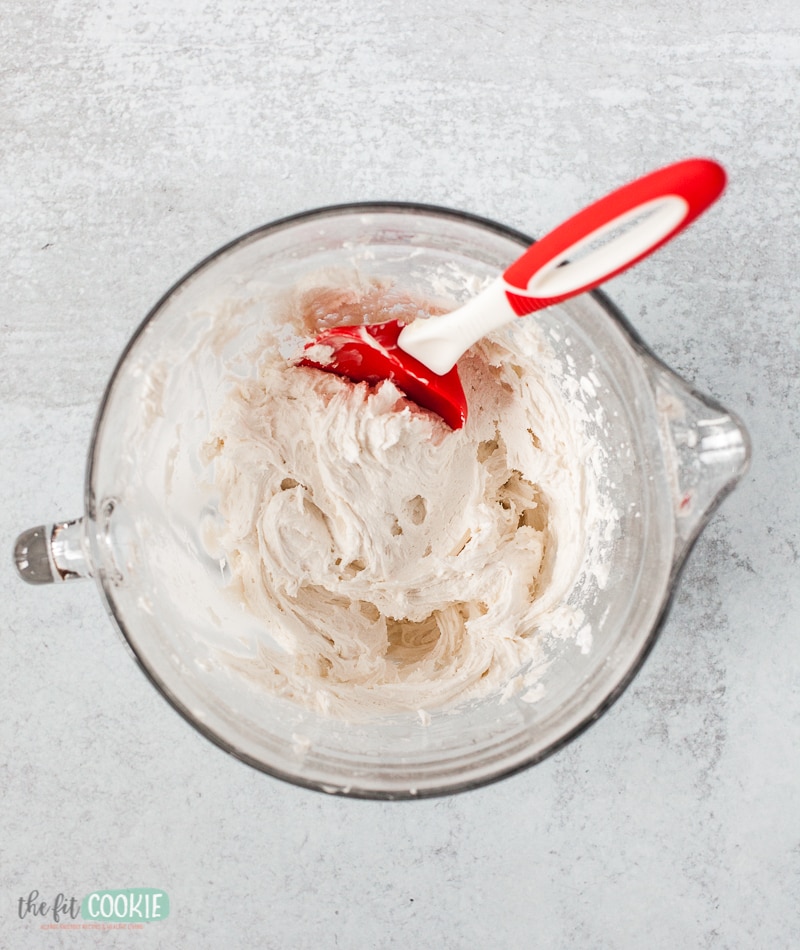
420,357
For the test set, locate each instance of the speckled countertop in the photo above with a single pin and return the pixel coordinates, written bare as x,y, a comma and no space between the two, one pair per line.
138,136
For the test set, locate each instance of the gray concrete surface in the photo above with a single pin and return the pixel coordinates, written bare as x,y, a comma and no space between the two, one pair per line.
137,136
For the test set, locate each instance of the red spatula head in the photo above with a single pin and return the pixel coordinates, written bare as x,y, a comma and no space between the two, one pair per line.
370,354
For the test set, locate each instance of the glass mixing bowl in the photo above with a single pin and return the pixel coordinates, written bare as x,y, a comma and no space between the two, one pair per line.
672,456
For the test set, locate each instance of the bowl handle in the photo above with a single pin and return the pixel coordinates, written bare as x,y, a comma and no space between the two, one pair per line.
707,449
51,553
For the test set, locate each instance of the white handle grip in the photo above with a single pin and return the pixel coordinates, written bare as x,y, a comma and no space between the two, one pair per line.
438,342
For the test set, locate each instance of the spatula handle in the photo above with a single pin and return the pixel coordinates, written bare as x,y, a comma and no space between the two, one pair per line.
665,202
660,205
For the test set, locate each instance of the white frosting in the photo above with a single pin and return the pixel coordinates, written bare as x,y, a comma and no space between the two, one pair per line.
389,562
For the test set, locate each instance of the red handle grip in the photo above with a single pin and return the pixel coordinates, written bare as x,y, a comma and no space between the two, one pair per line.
671,198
